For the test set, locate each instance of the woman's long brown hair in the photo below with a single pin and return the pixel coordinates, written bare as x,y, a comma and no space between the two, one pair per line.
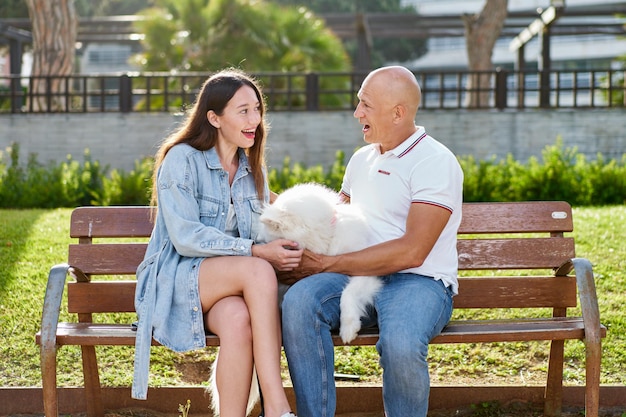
196,131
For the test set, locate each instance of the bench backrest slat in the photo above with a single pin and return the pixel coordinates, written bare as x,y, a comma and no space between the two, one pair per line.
528,253
544,216
101,297
531,217
110,222
107,258
490,292
539,253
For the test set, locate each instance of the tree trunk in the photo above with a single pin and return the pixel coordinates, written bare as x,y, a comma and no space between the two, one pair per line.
481,33
54,26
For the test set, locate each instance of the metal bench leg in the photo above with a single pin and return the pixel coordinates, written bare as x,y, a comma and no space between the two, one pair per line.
592,388
49,380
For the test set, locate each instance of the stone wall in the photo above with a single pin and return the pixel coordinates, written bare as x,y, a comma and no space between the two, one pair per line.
118,140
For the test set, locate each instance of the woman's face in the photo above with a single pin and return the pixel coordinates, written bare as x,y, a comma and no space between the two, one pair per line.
242,115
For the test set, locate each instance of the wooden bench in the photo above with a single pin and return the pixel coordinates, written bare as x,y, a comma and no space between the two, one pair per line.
522,238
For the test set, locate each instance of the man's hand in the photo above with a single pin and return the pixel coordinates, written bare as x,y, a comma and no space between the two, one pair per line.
310,264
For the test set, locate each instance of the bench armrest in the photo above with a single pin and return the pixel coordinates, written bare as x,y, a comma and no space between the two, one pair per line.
587,294
52,305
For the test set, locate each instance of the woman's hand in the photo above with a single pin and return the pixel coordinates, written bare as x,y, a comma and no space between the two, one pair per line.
282,254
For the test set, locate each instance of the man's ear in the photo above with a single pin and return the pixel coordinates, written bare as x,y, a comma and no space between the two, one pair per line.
398,113
213,119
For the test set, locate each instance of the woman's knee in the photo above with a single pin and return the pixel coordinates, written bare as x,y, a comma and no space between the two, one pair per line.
231,321
263,276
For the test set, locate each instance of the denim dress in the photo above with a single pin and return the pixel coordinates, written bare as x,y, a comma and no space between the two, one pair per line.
193,202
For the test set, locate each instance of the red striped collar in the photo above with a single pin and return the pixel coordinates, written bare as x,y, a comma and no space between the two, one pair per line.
411,145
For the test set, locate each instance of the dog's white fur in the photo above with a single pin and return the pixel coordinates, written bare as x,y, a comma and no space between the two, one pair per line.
215,396
314,216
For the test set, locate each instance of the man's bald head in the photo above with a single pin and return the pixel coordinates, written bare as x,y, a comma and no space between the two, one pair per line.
398,84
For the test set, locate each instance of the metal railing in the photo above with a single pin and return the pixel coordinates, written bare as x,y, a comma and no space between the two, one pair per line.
328,91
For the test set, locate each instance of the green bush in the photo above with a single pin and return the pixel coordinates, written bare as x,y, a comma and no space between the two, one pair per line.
290,175
560,174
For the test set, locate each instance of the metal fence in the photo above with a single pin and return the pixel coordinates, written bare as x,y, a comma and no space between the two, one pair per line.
327,91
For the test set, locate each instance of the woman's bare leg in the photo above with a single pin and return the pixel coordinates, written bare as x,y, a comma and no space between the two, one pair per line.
255,280
229,319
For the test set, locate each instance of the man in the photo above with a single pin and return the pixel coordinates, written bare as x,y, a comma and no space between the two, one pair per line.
410,189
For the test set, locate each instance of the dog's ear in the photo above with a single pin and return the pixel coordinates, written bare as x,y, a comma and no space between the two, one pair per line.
272,222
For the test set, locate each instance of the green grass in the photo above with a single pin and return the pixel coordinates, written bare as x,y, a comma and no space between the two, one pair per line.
31,241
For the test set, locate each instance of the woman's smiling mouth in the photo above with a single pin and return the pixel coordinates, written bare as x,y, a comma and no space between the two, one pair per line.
249,133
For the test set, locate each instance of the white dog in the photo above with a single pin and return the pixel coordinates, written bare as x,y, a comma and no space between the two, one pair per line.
314,216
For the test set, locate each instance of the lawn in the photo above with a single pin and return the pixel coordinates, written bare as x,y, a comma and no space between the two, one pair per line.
33,240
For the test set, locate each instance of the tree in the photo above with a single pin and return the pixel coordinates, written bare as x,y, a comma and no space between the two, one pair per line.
201,35
54,27
257,36
382,50
481,33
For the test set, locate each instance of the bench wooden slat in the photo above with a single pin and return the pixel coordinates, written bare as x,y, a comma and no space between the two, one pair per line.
518,217
107,258
480,292
110,222
516,292
101,297
466,331
529,253
512,217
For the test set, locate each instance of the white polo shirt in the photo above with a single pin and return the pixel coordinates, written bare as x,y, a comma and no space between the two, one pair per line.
420,170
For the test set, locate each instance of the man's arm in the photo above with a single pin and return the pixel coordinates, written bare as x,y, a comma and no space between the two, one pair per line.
424,225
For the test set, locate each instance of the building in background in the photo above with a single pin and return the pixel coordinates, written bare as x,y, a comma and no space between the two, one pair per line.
571,52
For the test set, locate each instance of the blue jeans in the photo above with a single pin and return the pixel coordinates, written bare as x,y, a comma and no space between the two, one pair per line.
410,310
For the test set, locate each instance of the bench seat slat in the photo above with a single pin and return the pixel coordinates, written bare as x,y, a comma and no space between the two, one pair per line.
466,331
480,292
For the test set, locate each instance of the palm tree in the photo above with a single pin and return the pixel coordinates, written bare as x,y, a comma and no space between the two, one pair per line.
259,36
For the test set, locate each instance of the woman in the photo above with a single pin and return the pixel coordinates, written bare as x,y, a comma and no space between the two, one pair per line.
203,268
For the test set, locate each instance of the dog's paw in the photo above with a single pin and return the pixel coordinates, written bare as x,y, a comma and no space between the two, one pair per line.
349,328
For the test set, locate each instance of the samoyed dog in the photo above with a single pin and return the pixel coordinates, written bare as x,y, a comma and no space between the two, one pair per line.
314,216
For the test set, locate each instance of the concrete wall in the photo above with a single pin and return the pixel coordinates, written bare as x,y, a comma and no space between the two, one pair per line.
313,138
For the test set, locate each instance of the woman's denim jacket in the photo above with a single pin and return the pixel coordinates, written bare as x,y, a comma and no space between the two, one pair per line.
193,201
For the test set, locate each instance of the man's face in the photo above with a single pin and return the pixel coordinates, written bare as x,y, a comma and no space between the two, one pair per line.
374,110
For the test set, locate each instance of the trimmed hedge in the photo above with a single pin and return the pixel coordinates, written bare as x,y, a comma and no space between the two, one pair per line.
561,174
